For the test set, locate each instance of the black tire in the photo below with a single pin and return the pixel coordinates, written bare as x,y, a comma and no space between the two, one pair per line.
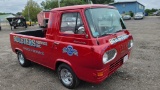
71,81
22,60
11,28
39,26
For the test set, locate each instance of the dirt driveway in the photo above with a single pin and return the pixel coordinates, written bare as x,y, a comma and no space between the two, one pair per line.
141,72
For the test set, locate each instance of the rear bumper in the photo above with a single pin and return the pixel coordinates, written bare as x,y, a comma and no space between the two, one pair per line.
137,18
126,18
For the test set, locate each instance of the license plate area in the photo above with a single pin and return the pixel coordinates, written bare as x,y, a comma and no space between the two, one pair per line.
125,58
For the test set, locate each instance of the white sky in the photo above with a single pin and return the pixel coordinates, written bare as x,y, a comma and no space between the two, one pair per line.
15,6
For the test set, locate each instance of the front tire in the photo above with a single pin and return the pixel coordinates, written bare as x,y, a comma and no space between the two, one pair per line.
67,76
22,60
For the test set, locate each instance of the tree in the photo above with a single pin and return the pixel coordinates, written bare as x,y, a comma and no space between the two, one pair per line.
19,13
2,13
49,4
72,2
101,1
31,10
150,11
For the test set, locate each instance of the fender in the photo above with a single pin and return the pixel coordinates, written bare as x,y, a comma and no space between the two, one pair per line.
58,61
61,61
18,49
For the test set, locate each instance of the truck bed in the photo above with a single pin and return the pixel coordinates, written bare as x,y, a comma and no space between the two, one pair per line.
36,33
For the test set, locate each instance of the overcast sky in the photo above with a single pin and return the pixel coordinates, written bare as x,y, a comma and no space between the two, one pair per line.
15,6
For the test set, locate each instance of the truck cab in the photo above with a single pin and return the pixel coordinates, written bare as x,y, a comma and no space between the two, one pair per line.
84,42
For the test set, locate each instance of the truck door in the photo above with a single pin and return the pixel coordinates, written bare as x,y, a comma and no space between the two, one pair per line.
72,38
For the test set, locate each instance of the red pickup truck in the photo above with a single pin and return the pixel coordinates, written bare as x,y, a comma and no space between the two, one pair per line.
84,42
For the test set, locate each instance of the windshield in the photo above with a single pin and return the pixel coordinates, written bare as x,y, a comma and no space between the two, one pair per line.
104,21
140,13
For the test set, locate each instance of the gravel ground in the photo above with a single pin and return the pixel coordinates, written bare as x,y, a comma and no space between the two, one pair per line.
140,72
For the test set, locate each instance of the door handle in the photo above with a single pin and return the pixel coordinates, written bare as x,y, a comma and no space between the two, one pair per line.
56,43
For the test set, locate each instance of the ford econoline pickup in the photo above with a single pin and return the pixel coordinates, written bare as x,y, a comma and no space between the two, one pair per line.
83,42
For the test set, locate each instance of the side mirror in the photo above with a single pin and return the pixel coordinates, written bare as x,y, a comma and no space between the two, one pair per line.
81,30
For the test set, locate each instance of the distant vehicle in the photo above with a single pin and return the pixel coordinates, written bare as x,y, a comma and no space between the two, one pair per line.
29,23
139,15
157,13
126,17
17,22
43,17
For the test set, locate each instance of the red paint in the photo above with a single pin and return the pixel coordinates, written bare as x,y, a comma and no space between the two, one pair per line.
88,65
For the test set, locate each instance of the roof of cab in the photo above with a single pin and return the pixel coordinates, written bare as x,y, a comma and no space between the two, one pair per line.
81,7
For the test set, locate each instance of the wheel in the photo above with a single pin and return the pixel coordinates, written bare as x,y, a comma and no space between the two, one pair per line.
22,60
21,24
25,26
67,76
11,28
39,25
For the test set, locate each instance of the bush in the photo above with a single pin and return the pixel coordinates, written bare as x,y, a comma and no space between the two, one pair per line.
71,2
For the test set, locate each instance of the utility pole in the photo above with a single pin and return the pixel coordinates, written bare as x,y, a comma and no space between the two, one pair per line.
0,24
28,12
89,1
59,3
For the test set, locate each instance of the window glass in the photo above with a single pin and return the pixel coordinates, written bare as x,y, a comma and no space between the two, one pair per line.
71,22
123,5
140,7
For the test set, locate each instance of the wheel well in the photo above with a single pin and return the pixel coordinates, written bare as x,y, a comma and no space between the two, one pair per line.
57,64
16,50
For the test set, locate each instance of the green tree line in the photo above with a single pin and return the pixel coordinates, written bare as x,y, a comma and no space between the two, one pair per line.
4,13
151,11
49,4
31,10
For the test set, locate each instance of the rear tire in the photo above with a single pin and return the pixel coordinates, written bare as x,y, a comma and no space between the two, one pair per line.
22,60
67,76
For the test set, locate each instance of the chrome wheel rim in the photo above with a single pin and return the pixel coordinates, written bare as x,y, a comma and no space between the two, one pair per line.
21,58
66,77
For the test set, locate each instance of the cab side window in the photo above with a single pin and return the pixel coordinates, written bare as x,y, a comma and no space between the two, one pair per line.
71,23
